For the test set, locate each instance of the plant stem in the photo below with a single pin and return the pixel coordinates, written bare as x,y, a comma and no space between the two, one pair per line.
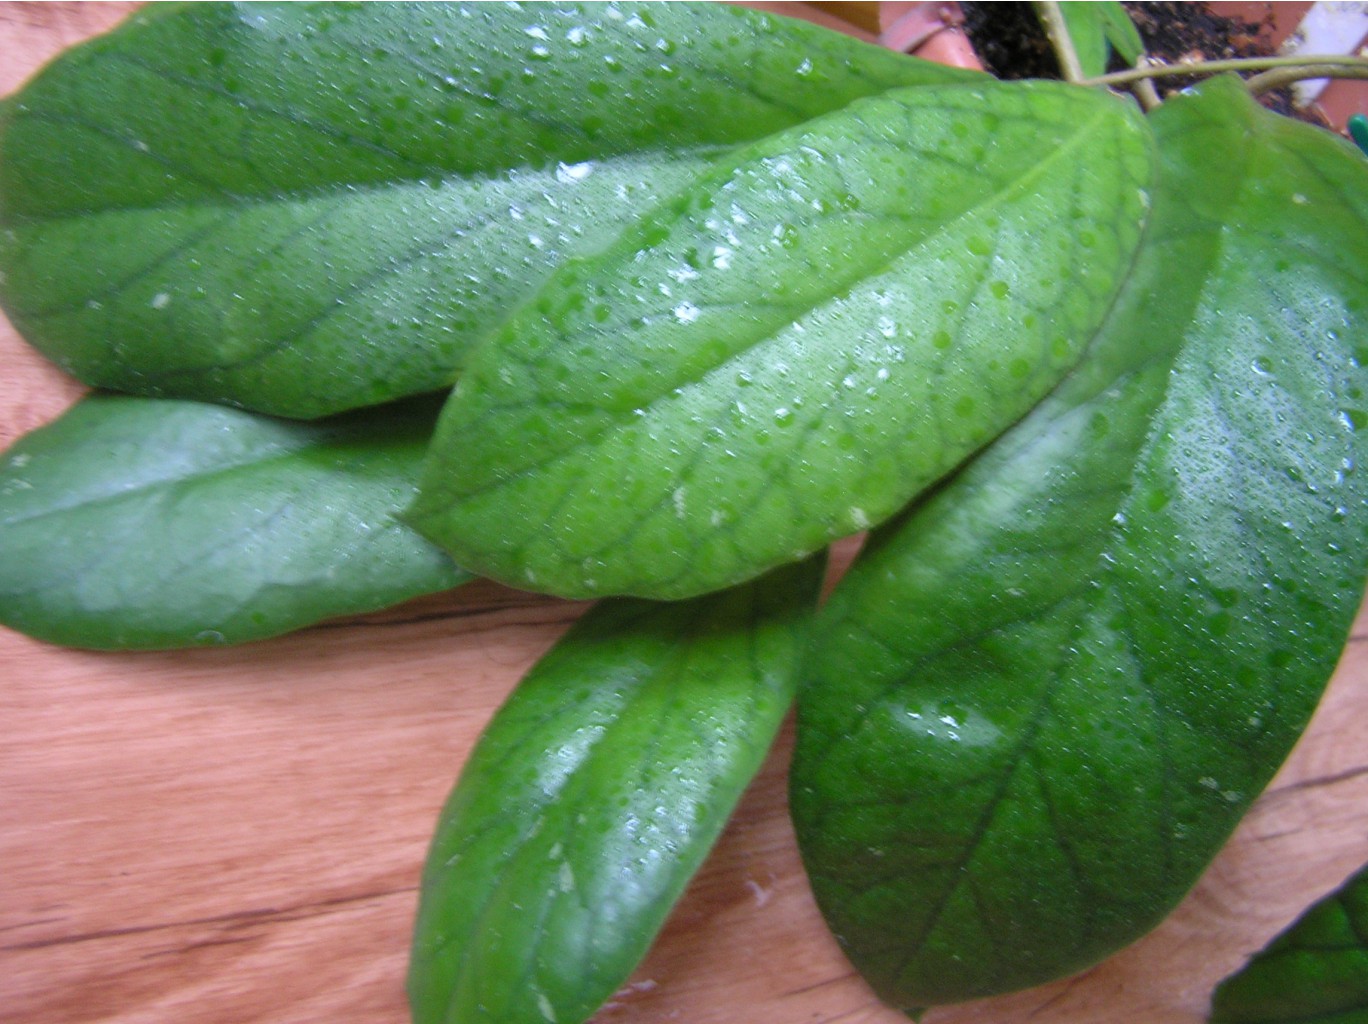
1058,30
1320,67
1278,77
1147,94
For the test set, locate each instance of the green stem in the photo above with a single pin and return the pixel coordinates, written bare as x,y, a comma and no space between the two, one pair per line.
1058,31
1324,67
1278,77
1147,94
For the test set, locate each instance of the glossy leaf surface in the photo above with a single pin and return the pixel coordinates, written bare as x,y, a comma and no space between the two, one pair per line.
302,208
593,796
1315,972
1037,705
795,345
133,522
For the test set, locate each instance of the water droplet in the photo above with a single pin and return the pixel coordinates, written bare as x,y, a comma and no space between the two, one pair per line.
568,173
545,1007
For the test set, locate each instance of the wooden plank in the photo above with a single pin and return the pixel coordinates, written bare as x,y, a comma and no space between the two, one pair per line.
236,835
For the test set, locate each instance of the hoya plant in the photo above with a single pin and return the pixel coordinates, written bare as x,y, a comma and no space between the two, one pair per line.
650,304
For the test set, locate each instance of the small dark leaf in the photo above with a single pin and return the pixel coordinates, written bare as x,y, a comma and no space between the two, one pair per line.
1315,972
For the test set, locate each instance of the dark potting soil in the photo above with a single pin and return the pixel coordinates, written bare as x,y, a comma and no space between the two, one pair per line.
1010,42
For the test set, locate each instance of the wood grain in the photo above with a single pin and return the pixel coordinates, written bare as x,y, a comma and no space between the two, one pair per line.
236,835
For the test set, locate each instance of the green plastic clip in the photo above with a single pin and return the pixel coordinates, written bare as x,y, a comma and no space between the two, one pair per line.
1358,131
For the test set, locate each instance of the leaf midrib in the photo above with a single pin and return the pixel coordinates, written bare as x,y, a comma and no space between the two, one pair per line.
1088,608
233,202
626,418
170,483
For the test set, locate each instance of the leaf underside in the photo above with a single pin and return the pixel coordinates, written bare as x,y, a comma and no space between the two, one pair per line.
143,523
304,208
1037,705
595,794
794,345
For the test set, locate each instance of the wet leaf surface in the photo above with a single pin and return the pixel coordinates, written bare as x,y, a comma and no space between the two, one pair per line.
1038,704
794,346
595,794
136,523
305,208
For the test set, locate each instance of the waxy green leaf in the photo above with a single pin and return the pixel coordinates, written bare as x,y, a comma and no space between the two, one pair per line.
302,208
1038,705
134,522
1315,972
793,346
594,795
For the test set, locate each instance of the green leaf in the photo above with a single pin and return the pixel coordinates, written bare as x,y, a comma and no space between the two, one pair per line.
791,348
302,208
1095,25
1315,972
1038,705
1121,32
594,795
143,523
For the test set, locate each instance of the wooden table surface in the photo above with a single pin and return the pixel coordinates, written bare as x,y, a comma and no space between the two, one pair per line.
235,835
